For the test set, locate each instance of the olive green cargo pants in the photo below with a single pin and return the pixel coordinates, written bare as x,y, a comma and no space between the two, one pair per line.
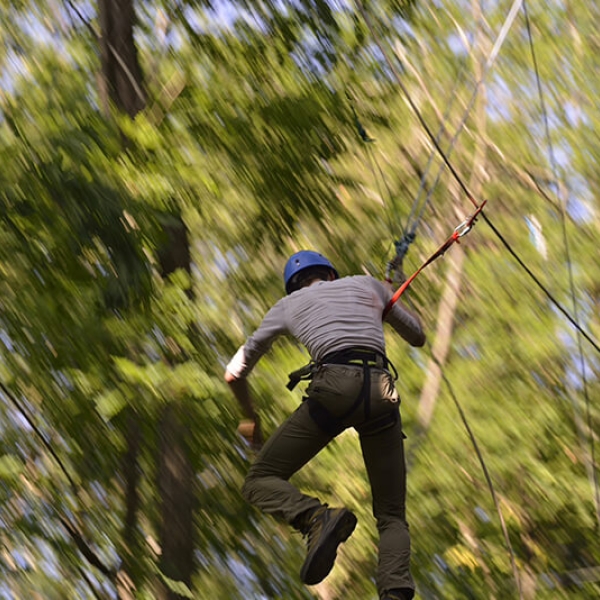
299,439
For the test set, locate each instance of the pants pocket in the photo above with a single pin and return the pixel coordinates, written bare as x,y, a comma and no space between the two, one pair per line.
336,387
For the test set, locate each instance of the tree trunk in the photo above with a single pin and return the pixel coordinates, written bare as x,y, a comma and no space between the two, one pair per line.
131,475
175,482
175,470
449,301
123,86
122,75
443,337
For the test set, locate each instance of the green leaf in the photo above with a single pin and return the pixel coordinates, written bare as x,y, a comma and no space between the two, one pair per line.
179,587
10,467
110,404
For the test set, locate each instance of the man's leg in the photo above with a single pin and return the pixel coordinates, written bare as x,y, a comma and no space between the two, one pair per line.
292,445
384,459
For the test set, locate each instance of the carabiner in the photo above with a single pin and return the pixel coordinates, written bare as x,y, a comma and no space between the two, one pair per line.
467,224
463,228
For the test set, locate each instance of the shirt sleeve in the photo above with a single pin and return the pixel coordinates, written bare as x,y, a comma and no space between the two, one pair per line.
404,322
273,325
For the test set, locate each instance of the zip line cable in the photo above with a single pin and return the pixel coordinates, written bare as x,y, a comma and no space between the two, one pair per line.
515,8
458,178
541,286
561,203
73,532
510,19
39,434
408,232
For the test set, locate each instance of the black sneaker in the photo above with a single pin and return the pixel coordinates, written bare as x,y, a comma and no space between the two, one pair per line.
326,530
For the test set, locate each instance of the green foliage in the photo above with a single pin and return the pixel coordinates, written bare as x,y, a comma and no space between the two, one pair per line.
249,138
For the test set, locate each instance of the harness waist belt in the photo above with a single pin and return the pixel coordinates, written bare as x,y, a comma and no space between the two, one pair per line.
356,356
363,357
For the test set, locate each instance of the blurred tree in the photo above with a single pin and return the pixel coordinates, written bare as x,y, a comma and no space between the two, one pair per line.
145,220
122,77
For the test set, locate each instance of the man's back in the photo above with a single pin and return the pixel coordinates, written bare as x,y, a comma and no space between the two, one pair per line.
329,316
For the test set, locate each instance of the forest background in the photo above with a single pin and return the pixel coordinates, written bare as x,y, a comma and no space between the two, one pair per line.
161,160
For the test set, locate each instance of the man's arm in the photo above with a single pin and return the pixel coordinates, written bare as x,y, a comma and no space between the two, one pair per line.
414,333
405,321
251,430
242,363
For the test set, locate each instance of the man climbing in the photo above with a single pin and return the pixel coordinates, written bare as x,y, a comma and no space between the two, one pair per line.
339,321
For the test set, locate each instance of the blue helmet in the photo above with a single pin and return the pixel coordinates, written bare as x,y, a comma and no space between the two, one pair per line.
300,261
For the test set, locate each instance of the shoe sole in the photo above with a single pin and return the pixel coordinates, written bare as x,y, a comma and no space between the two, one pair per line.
319,564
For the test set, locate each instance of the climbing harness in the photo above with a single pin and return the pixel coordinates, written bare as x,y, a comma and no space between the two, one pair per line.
304,373
460,231
342,357
362,357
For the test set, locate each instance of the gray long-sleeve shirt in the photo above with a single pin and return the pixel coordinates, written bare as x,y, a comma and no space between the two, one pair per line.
329,316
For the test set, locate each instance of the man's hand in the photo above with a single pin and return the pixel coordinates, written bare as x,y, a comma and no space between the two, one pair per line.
251,431
249,428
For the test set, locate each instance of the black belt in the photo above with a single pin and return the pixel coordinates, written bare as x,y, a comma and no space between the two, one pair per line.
350,356
356,356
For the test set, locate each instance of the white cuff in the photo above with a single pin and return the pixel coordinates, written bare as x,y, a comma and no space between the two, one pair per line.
237,365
